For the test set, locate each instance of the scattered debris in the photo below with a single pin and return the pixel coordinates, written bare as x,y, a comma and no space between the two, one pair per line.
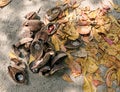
83,40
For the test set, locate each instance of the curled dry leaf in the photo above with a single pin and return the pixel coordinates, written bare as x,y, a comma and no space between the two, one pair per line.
67,78
87,87
4,3
74,66
91,65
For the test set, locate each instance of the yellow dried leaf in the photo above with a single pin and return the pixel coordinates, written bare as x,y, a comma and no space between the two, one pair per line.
74,66
56,42
87,87
118,76
12,55
70,30
93,14
91,65
31,59
67,78
4,2
114,20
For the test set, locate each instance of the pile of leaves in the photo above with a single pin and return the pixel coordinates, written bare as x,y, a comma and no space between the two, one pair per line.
84,39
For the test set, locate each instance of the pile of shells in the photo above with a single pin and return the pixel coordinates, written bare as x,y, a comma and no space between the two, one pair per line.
35,48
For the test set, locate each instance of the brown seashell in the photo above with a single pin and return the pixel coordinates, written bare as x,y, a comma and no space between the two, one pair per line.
36,49
32,15
17,75
59,57
33,25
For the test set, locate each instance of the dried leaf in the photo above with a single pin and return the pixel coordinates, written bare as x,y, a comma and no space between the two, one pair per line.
56,42
87,87
31,59
91,65
118,76
12,55
4,3
67,78
74,66
115,6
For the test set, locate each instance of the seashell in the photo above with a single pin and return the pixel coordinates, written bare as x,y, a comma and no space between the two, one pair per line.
17,75
60,56
36,49
32,16
56,68
53,13
33,25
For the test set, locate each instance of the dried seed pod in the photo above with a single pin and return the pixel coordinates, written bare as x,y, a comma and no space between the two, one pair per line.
35,70
52,28
73,44
45,69
32,16
36,49
41,35
17,75
60,56
33,25
40,63
53,13
56,68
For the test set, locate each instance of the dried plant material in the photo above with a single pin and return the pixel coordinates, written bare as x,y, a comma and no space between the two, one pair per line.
33,25
56,42
74,66
32,15
12,55
87,87
67,78
108,79
115,6
114,20
93,14
70,30
3,3
17,75
118,76
91,66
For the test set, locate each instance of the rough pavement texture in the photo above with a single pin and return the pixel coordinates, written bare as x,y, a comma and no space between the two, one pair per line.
11,18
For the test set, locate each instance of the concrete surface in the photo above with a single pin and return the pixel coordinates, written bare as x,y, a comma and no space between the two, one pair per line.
11,18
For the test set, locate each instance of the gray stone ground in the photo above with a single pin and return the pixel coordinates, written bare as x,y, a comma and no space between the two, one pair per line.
11,18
